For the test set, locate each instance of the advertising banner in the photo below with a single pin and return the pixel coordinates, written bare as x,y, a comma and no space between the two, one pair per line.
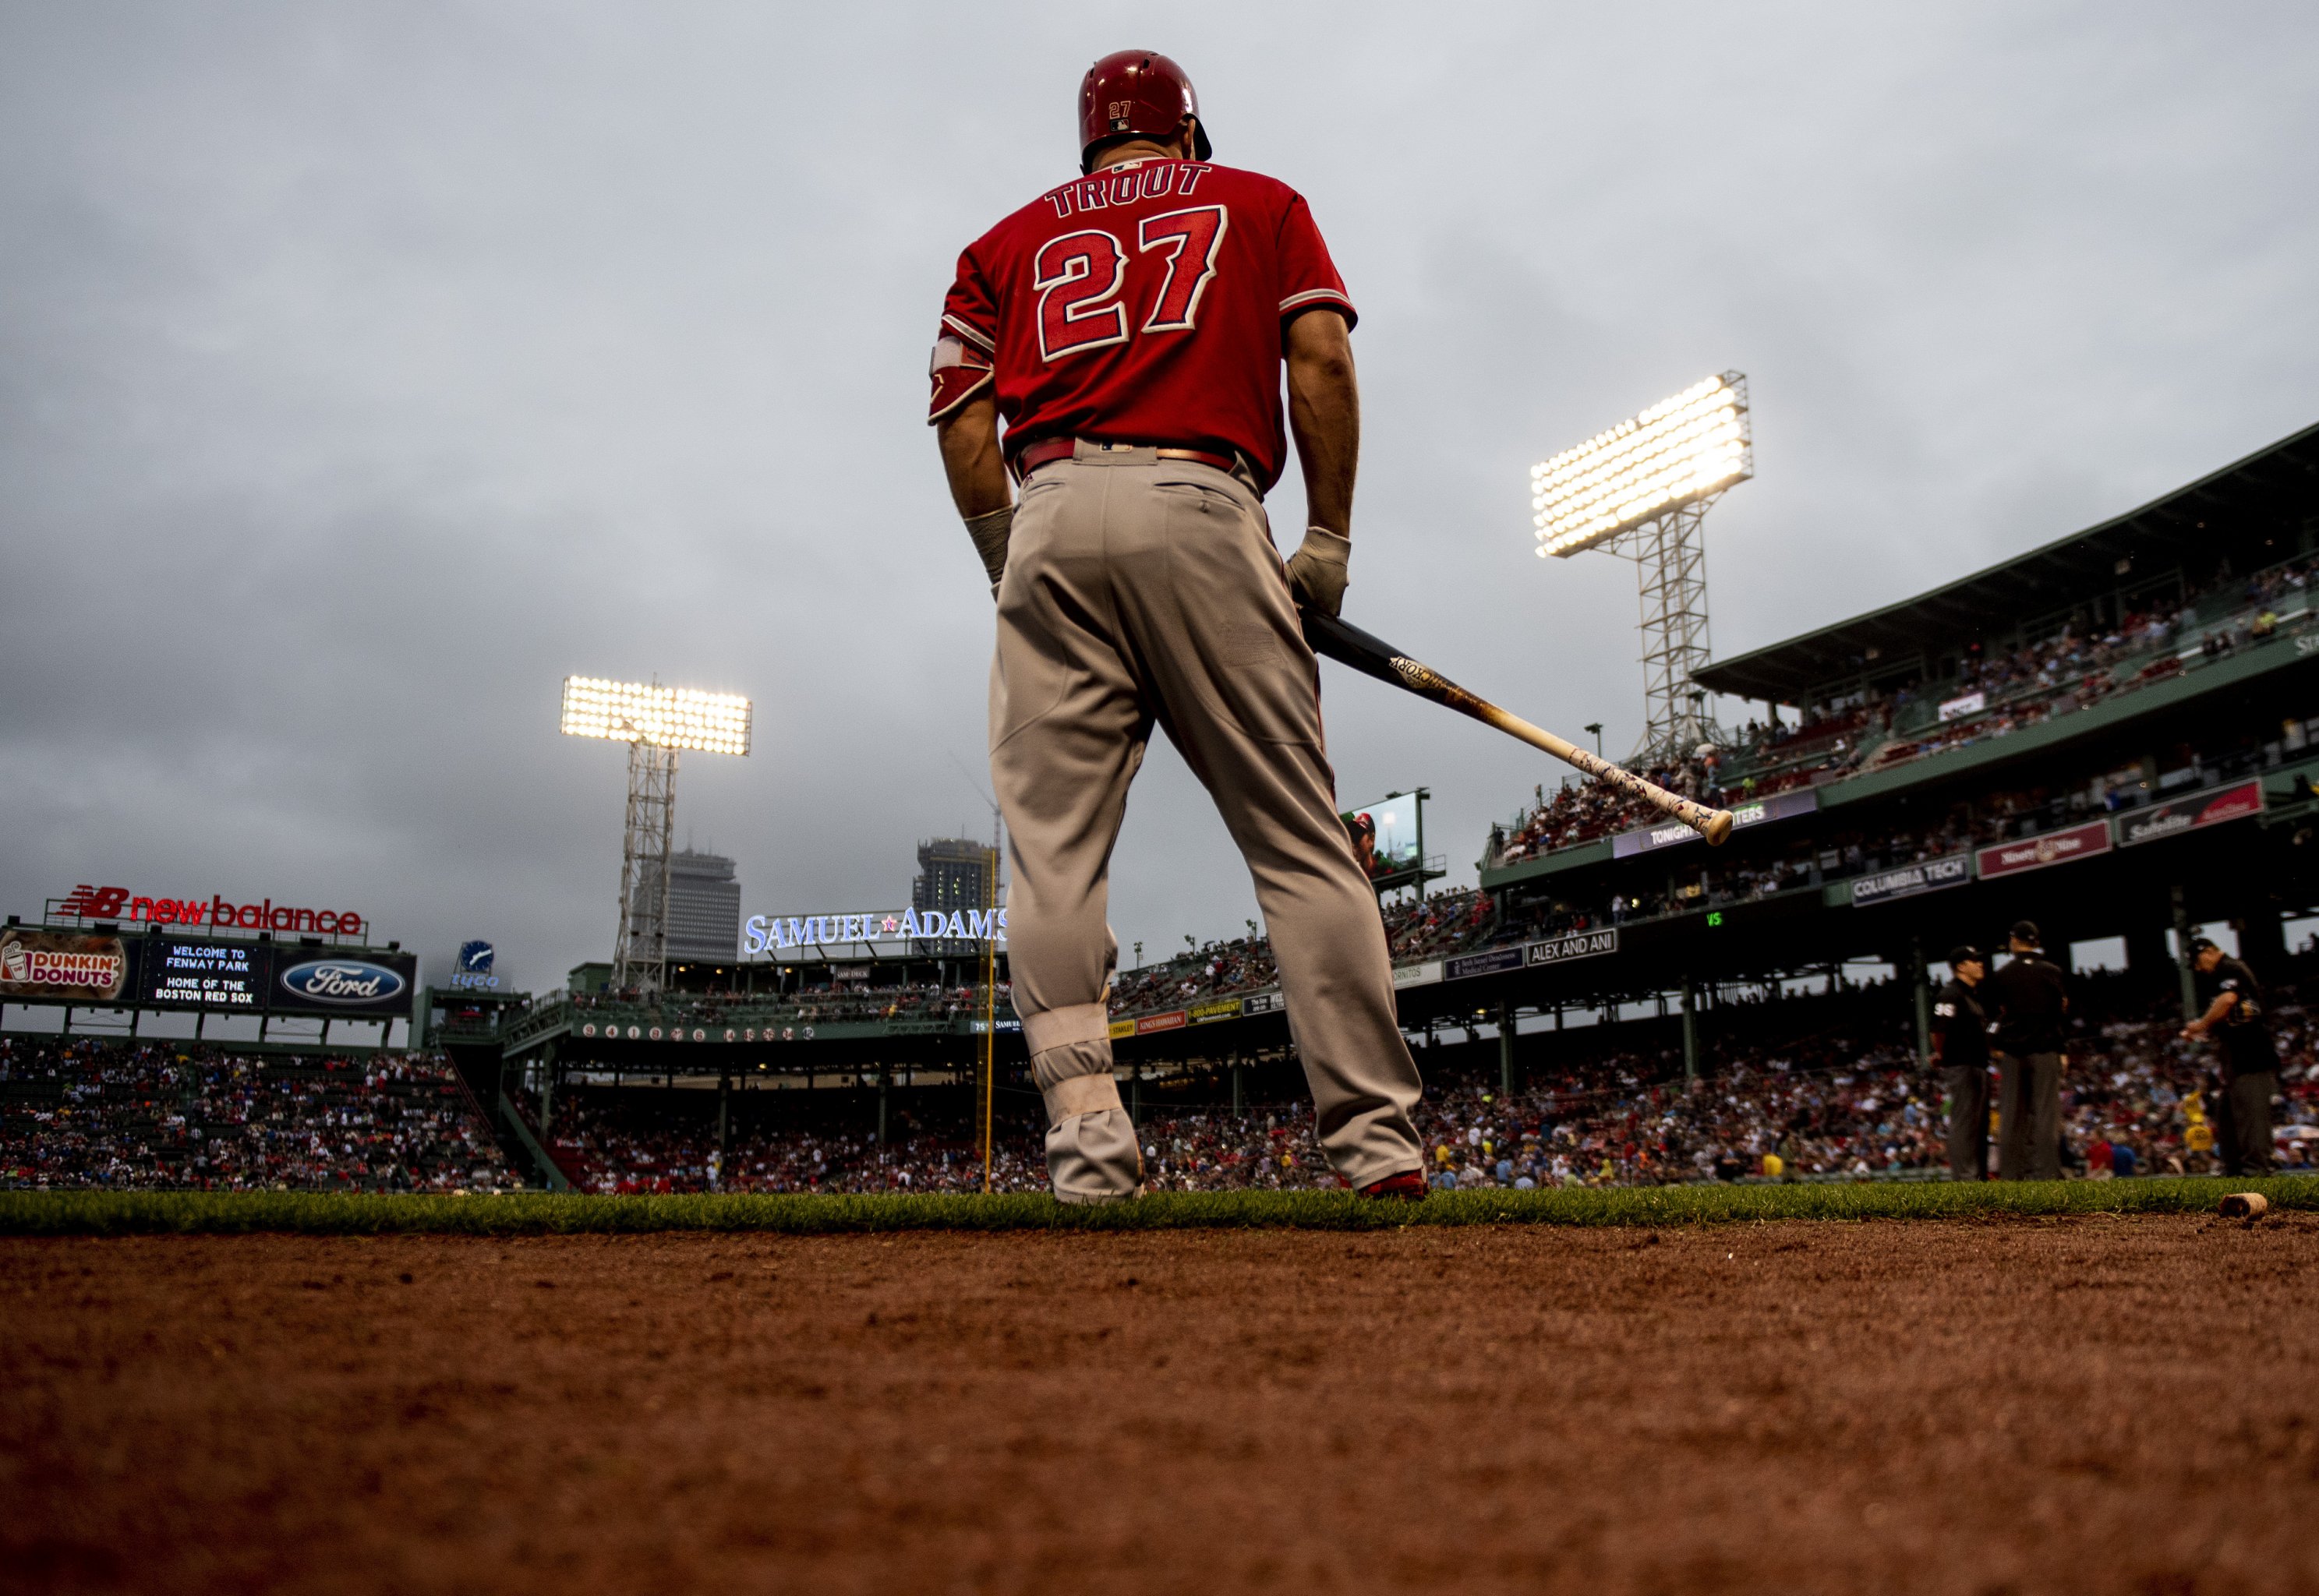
1417,975
1482,964
86,902
2034,854
2235,802
206,975
1780,806
64,966
1929,875
311,981
1171,1021
1578,944
1121,1029
1214,1009
1972,703
1263,1002
772,934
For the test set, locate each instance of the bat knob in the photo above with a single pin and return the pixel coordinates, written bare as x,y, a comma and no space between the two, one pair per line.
1717,827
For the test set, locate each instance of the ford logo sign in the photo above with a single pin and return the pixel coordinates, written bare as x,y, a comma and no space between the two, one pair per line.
342,980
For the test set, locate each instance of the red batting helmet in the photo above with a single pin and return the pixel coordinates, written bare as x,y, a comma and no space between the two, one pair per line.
1136,91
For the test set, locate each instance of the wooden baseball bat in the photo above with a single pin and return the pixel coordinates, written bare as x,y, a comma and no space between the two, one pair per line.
1347,644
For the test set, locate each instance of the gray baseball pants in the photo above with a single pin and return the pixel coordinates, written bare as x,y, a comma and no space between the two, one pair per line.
1143,591
2029,1116
1969,1122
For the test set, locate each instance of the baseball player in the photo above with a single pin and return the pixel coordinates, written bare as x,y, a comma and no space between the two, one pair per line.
1129,328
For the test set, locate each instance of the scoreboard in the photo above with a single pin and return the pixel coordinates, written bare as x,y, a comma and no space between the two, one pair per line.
217,975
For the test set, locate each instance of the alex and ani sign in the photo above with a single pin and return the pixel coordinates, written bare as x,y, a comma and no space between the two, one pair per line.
1780,806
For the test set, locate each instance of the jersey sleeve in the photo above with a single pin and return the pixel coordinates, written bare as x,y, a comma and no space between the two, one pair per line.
1308,277
965,342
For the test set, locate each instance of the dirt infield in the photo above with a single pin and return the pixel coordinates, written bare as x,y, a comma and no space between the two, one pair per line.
2098,1404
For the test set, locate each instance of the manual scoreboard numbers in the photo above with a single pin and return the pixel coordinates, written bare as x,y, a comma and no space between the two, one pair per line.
207,975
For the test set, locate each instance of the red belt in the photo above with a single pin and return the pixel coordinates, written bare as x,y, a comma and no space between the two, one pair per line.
1048,450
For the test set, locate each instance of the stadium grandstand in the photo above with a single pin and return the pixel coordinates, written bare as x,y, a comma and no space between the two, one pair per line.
2115,735
117,1115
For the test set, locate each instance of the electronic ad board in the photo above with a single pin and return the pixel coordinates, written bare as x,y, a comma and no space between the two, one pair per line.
212,975
368,984
65,966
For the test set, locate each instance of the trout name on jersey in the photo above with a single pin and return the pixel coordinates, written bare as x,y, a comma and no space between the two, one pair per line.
1125,183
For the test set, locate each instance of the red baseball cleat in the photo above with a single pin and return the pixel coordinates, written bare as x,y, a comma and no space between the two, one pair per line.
1409,1185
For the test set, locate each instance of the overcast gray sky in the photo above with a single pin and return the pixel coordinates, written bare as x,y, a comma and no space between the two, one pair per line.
364,369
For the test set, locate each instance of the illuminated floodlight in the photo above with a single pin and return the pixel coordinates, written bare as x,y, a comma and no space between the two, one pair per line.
660,717
1678,452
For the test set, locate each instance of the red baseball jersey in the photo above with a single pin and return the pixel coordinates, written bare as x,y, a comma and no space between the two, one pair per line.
1144,304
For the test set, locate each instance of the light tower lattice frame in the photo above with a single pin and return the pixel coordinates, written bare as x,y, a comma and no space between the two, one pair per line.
1669,558
640,946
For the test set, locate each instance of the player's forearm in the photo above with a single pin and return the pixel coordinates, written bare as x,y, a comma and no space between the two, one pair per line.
1324,416
969,438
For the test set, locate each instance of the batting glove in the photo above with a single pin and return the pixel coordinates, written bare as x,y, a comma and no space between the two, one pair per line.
990,534
1316,571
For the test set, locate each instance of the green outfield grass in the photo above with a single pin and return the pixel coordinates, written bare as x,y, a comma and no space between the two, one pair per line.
116,1213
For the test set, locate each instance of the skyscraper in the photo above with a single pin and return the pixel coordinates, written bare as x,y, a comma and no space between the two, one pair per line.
954,873
704,906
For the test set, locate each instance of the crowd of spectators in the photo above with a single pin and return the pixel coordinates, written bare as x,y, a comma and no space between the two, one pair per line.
622,1141
1202,971
155,1116
1829,1106
2075,667
843,1001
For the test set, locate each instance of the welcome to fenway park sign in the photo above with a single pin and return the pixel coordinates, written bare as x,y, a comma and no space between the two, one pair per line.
85,902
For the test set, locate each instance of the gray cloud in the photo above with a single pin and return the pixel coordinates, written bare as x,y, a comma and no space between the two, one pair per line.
363,371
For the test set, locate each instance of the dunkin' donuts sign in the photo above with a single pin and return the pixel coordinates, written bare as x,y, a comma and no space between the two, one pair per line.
117,903
49,964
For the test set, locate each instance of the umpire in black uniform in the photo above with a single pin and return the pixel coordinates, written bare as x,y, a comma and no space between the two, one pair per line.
2027,1002
1960,1046
2235,1017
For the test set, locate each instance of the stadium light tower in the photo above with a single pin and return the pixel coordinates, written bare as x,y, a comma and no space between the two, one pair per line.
1641,490
656,722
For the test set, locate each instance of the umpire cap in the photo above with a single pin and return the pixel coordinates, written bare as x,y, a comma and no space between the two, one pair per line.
1967,954
2026,931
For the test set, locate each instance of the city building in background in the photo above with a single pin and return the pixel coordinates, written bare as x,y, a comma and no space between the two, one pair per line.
954,874
704,905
